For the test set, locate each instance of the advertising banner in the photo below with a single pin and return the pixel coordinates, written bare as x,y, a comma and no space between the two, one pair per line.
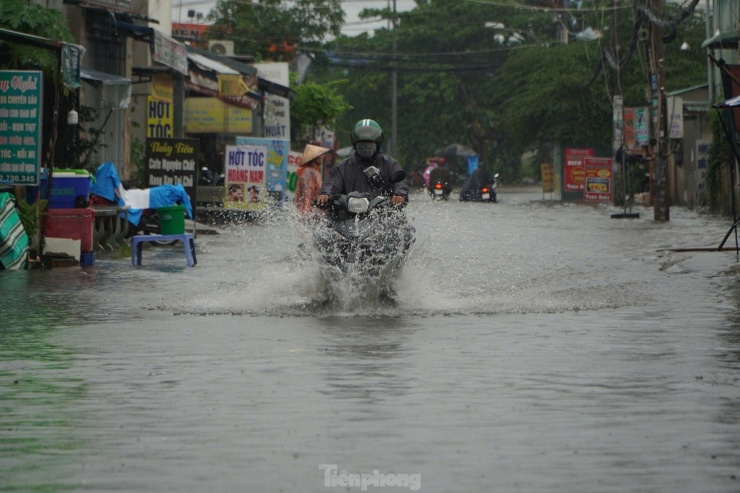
21,103
618,123
574,169
159,119
630,142
294,160
277,163
597,179
246,175
548,178
675,117
213,116
162,88
702,164
642,126
170,52
277,117
172,162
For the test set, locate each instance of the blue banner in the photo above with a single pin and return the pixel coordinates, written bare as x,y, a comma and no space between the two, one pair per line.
277,163
472,164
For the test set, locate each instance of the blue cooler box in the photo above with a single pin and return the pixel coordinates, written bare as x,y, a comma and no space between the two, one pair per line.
70,188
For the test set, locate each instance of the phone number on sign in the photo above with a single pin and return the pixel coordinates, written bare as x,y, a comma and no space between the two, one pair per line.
24,179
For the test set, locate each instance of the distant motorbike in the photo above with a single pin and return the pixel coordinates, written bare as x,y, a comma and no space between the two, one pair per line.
486,192
439,190
364,239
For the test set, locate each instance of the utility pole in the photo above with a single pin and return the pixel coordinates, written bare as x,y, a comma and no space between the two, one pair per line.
394,91
619,179
659,144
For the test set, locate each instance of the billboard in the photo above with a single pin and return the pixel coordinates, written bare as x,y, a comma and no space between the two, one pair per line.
21,104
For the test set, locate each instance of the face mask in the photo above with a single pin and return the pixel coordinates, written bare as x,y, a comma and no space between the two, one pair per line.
365,149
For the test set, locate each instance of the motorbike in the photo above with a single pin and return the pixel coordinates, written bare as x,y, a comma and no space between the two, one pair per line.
486,192
439,190
363,239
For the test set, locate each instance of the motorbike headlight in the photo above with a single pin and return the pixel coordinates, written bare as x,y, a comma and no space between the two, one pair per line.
358,205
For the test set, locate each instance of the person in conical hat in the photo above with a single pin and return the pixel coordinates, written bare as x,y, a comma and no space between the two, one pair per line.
309,177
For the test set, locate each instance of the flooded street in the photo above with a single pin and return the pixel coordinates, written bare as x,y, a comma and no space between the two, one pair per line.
534,346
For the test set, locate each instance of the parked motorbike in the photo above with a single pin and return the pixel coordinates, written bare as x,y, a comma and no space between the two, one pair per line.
363,239
486,192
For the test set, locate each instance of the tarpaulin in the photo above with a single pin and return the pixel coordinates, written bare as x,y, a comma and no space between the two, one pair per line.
108,185
13,238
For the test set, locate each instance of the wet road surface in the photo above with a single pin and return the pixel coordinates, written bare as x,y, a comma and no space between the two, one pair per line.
534,346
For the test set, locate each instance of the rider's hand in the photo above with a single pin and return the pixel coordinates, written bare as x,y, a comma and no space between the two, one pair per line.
398,200
322,200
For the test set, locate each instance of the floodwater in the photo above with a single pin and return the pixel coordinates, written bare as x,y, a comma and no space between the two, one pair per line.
534,346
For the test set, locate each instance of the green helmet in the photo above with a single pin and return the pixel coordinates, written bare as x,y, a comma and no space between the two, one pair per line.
367,130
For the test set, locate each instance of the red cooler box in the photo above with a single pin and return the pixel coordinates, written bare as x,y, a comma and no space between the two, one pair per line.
74,224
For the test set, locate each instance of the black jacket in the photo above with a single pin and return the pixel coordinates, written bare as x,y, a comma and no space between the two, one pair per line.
349,176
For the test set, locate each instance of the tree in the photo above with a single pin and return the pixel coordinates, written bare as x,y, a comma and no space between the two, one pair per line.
20,16
543,96
272,29
23,17
315,105
445,60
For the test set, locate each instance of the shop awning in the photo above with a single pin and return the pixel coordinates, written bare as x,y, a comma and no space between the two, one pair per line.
206,63
276,89
139,33
115,91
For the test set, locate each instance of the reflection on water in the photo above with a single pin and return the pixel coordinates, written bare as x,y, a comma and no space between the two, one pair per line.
367,358
38,388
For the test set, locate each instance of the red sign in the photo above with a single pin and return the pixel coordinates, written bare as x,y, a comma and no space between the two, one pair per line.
598,179
574,170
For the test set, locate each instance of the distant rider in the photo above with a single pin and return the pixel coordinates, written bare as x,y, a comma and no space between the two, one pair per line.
441,174
348,176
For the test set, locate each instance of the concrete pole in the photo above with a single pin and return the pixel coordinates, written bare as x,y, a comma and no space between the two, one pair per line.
661,198
394,91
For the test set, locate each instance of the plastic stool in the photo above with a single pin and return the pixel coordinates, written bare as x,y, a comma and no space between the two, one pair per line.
186,238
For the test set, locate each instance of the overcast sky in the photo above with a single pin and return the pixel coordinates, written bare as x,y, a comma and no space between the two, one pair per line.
353,24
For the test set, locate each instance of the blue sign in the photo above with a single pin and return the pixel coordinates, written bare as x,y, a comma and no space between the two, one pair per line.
277,163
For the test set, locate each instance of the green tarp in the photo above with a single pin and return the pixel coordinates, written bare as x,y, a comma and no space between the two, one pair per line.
13,238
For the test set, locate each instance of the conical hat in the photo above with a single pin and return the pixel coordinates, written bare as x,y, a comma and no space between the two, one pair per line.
311,152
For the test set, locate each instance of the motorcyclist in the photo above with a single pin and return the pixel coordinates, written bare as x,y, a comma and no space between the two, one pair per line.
477,179
440,174
349,176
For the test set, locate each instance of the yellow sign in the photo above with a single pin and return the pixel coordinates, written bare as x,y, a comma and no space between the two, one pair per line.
548,178
159,119
162,88
231,85
213,116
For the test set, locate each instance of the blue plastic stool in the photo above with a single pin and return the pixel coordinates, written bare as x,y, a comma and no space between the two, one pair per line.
186,238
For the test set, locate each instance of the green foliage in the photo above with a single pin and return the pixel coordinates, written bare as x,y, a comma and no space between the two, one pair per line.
315,105
270,29
89,143
503,89
30,216
138,150
542,96
720,156
686,68
21,16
